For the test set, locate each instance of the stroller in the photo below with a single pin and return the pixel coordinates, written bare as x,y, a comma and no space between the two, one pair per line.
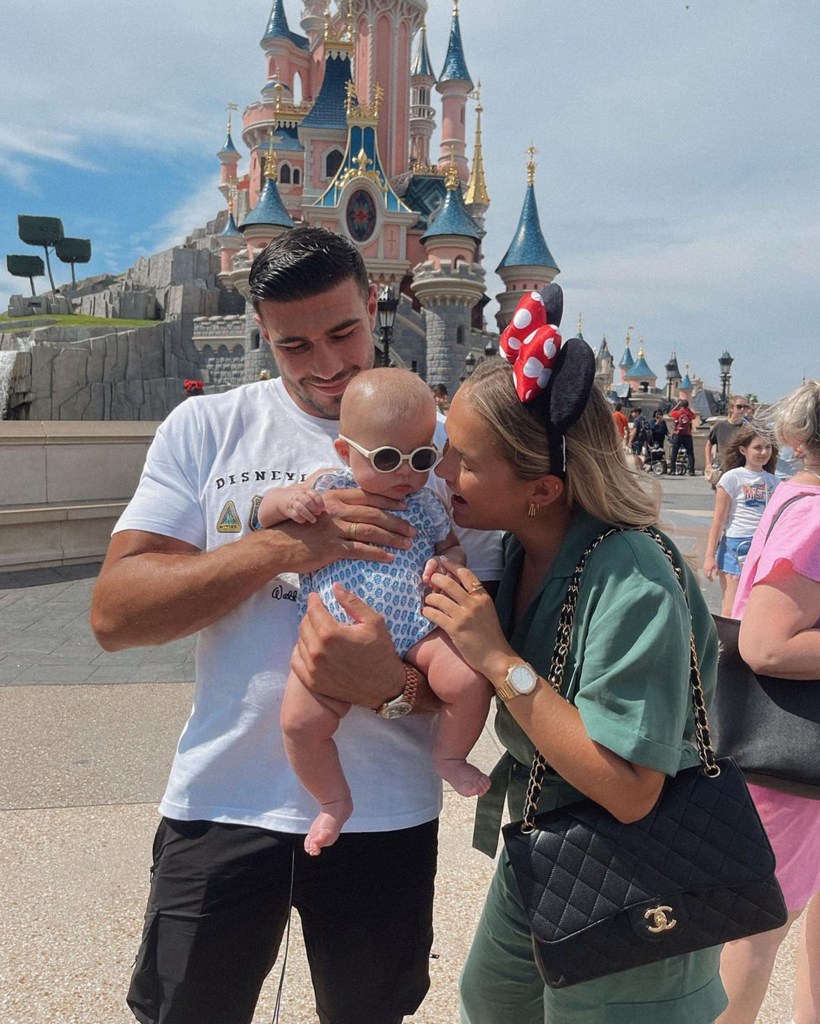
654,458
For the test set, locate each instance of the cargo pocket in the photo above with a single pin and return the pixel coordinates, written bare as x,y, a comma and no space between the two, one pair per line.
143,992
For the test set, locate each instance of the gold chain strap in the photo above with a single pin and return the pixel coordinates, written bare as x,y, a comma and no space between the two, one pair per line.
555,678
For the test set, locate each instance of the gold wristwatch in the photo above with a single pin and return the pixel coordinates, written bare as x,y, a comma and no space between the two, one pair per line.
402,705
521,679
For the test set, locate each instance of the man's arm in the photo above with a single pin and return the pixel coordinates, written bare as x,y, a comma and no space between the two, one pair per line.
153,589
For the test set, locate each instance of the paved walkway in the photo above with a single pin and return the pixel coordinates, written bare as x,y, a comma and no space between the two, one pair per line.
83,761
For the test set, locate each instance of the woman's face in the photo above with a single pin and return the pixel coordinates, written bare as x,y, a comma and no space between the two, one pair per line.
757,453
485,494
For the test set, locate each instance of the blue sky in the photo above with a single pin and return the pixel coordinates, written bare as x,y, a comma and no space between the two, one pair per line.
678,152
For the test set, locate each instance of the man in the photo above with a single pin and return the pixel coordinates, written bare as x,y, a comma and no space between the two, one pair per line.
441,397
621,422
722,433
638,431
188,555
682,436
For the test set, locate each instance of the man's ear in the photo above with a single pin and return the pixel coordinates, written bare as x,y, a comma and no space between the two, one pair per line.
262,329
342,450
373,305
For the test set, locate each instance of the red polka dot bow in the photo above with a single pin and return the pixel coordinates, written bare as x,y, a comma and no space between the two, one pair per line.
531,345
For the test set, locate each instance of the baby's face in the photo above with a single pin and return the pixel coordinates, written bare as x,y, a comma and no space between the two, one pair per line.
405,434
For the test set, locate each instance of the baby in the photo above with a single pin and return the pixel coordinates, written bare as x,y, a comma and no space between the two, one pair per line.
387,421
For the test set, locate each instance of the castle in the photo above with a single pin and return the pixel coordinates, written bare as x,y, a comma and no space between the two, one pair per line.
341,138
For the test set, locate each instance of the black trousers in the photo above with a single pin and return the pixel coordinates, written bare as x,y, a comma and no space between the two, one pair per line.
683,441
218,907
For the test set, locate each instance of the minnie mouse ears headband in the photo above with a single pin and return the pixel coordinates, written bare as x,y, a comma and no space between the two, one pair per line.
553,377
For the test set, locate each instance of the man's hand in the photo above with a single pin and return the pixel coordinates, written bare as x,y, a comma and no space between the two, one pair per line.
356,662
366,518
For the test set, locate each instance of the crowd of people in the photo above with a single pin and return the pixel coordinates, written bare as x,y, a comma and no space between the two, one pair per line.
351,629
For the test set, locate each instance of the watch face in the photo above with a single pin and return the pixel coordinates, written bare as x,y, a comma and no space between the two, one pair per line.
396,709
523,678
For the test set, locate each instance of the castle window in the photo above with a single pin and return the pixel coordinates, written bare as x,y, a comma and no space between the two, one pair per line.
297,176
424,97
414,365
460,334
333,161
284,174
255,340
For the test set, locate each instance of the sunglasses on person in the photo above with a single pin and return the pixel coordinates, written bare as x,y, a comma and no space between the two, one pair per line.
387,459
742,406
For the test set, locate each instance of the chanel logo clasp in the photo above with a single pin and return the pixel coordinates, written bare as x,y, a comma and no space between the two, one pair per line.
660,921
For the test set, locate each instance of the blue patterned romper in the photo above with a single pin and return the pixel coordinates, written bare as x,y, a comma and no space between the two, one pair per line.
395,590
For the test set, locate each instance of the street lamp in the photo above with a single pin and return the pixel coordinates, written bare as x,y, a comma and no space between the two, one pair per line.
469,363
671,376
725,364
388,303
489,349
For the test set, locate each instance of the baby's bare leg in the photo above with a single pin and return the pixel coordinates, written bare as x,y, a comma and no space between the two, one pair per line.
308,723
466,697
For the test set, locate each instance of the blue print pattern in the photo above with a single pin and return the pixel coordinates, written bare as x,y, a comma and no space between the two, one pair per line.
395,591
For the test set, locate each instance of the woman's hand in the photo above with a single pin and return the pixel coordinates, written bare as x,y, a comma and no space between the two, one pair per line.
710,567
465,611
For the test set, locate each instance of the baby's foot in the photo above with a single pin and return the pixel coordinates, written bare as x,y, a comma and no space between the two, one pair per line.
327,825
464,777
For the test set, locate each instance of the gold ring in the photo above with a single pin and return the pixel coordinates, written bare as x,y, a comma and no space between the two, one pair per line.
477,588
352,527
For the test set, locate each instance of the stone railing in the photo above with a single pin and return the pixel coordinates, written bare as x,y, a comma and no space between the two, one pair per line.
64,486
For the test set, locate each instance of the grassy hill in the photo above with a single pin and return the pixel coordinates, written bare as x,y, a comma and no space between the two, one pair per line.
69,320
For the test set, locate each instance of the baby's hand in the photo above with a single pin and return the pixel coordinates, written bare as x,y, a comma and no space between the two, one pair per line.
305,506
432,565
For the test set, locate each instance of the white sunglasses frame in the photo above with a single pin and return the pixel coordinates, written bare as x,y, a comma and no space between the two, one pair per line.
369,455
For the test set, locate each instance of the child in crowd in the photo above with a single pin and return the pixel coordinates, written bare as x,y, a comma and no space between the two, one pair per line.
387,420
743,492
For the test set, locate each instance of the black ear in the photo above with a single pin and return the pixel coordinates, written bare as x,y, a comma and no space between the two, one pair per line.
571,383
553,298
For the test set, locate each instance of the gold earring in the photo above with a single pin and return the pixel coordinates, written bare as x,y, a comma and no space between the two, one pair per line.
532,510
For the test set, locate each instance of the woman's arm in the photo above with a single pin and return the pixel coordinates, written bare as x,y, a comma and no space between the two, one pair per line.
778,632
468,616
723,504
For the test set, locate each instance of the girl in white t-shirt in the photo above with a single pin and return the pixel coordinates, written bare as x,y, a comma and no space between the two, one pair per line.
741,496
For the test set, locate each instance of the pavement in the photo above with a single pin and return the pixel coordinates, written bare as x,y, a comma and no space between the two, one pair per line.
86,739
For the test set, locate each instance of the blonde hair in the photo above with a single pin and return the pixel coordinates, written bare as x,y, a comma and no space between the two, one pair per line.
598,478
795,419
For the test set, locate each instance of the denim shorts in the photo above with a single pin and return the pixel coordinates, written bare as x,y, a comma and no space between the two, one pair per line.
731,554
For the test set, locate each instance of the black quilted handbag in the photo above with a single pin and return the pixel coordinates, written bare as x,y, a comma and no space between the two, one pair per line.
603,897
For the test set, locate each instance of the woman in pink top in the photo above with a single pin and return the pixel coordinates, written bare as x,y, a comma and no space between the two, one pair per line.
778,603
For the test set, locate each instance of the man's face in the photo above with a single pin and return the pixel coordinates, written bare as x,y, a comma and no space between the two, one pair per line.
320,344
738,409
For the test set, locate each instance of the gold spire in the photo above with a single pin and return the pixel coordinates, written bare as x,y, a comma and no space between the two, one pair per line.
477,186
628,336
532,151
231,107
455,8
367,113
451,179
640,348
271,169
580,323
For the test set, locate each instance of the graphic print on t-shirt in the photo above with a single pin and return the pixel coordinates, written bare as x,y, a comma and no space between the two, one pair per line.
755,495
228,521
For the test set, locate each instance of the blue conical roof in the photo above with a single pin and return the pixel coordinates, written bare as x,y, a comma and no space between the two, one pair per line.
685,383
528,248
229,147
330,108
269,210
230,230
422,66
603,349
455,67
640,368
626,359
453,219
278,27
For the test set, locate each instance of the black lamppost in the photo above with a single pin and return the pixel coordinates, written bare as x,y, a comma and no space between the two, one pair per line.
388,303
725,363
469,363
671,376
489,350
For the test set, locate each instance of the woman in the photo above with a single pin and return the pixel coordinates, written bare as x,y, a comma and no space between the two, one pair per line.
629,724
743,492
778,603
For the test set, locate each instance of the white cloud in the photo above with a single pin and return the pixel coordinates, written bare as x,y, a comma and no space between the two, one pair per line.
193,212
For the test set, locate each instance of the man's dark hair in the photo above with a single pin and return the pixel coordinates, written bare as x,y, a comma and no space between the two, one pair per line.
618,407
684,404
439,389
304,262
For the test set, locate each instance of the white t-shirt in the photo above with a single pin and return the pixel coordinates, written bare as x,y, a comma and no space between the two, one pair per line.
210,463
750,491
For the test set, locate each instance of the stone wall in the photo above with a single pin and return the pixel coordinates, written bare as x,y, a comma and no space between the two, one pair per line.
100,374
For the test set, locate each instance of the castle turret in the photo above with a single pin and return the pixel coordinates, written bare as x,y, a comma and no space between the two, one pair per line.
269,217
449,284
640,375
422,113
229,159
231,240
454,84
527,264
604,366
627,360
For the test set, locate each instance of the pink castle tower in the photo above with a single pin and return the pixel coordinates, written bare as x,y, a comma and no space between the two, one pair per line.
455,85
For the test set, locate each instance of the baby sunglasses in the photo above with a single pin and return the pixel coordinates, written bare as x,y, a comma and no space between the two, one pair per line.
387,459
